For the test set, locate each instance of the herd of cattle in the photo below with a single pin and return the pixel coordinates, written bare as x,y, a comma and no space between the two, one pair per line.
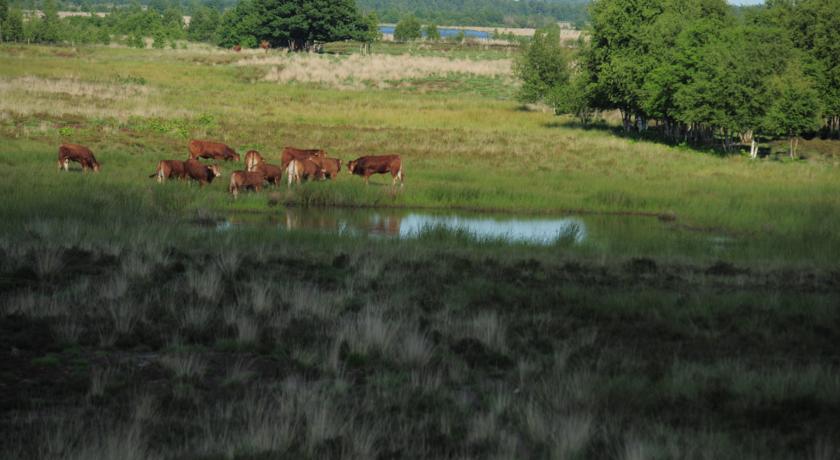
297,164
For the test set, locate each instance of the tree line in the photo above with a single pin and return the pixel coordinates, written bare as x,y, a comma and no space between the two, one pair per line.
131,24
295,24
499,13
696,72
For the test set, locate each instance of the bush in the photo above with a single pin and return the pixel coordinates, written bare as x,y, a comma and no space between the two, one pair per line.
407,30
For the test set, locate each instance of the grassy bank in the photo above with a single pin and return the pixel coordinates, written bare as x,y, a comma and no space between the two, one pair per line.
188,343
131,326
465,142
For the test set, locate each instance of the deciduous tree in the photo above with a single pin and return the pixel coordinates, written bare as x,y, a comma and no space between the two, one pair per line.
407,29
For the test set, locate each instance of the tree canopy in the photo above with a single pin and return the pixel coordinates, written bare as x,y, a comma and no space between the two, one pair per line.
407,29
296,24
701,72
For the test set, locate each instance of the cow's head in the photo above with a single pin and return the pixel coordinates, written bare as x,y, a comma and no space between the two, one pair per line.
351,166
216,170
96,166
236,157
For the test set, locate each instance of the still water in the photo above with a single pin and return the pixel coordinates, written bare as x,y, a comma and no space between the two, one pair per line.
406,224
445,33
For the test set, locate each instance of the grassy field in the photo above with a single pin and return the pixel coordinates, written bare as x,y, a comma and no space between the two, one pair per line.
131,327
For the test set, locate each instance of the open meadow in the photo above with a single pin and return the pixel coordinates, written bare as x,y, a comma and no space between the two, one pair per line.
699,319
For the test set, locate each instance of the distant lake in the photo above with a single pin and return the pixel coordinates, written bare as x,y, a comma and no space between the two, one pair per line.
445,33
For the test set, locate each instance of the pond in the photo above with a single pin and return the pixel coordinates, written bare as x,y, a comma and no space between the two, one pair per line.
445,33
612,233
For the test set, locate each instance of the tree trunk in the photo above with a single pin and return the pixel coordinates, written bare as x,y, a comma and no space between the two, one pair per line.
625,120
791,149
753,149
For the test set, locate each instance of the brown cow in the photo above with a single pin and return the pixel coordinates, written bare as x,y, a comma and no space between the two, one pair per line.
370,165
168,169
252,159
300,170
331,166
212,150
292,153
196,170
78,153
237,48
265,45
271,173
243,180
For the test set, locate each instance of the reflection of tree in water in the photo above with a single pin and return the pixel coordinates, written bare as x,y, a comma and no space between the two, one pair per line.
335,220
302,220
385,224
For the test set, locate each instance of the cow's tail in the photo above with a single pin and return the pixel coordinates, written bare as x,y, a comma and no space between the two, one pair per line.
291,172
158,172
232,188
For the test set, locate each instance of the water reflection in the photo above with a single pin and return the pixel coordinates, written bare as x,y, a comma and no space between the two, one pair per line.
404,224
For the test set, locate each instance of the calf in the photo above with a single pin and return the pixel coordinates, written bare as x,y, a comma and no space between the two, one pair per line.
197,171
168,169
272,173
370,165
292,153
252,159
212,150
331,166
300,170
78,153
243,180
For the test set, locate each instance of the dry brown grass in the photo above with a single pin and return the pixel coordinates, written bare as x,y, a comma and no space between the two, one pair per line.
72,96
355,71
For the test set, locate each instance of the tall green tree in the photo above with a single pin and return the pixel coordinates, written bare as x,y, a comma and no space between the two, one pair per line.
814,26
4,14
13,26
432,32
407,29
796,107
542,67
369,33
203,24
49,28
296,24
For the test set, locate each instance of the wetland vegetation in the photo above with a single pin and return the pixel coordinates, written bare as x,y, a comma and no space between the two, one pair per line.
699,318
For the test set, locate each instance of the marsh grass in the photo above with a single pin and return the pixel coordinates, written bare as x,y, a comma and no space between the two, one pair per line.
357,71
184,365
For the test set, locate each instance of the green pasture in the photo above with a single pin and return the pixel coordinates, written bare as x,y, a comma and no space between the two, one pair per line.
465,144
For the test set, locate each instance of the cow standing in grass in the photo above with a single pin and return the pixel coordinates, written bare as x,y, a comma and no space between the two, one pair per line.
383,164
292,153
212,151
300,170
271,173
265,45
197,171
169,169
244,180
331,166
252,159
78,153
